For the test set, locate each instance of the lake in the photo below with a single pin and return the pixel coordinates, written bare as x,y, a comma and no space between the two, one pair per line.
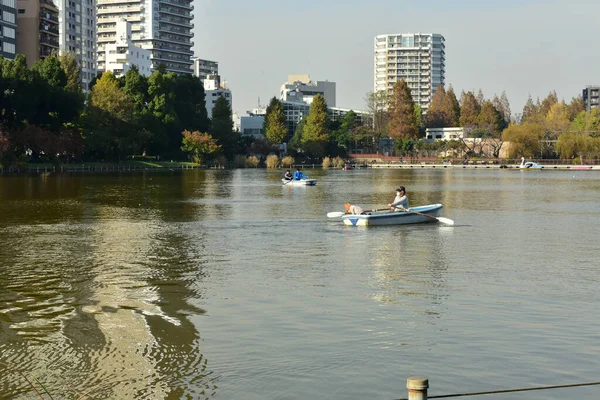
225,284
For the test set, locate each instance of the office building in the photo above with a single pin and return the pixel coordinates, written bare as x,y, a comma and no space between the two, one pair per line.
213,89
300,88
120,56
8,29
203,68
37,29
77,34
591,97
162,26
417,58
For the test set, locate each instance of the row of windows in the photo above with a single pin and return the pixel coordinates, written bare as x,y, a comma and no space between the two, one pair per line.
8,16
8,32
9,3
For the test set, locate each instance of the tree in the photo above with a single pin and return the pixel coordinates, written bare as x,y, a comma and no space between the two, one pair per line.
587,121
570,144
490,119
377,104
275,126
402,122
296,140
315,134
419,120
530,111
575,107
557,118
469,112
480,97
524,139
435,113
343,136
199,145
451,109
505,108
70,64
547,103
222,127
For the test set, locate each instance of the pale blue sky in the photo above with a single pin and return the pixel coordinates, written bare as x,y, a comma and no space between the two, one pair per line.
523,47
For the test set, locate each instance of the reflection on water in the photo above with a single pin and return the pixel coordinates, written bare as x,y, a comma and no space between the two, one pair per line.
200,284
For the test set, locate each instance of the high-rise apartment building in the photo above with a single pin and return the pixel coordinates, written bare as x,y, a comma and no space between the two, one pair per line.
302,88
77,34
37,29
203,68
418,58
8,28
120,56
162,26
591,97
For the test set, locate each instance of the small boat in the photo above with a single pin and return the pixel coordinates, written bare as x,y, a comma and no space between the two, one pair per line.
379,218
529,165
348,167
301,182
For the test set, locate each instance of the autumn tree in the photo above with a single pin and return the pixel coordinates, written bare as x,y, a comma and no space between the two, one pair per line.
435,112
451,109
199,145
469,112
275,126
530,111
315,135
557,118
490,118
402,123
575,107
547,103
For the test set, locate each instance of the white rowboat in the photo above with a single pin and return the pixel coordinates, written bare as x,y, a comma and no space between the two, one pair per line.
428,213
301,182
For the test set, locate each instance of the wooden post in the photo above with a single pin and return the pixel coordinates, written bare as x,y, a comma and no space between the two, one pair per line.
417,387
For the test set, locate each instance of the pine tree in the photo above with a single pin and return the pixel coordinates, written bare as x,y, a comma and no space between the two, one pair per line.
402,122
275,126
315,134
490,118
505,108
222,127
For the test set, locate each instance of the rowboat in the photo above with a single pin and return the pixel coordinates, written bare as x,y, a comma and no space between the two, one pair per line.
428,213
348,167
301,182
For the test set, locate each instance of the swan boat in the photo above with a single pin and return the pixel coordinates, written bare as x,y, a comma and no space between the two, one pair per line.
301,182
379,218
529,165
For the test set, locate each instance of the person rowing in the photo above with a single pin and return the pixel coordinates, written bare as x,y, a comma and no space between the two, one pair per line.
299,175
401,201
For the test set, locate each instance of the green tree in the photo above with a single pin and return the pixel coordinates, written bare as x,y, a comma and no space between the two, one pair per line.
275,125
222,128
575,107
524,139
419,120
70,64
402,122
315,135
557,118
588,121
296,140
530,111
469,111
199,145
490,119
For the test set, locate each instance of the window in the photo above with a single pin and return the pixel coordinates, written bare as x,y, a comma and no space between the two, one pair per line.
8,48
8,17
21,11
9,3
8,32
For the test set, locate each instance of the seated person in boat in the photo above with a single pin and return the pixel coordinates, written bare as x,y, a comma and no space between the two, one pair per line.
288,175
401,201
351,209
299,175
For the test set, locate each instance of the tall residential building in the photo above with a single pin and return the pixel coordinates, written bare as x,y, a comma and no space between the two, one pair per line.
300,88
418,58
37,29
591,97
120,56
162,26
8,28
203,68
77,34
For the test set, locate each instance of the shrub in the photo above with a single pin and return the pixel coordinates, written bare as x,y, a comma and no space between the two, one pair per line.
326,162
338,162
239,161
287,162
272,161
252,162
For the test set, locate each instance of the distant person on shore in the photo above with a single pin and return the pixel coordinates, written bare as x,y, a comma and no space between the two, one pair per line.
288,175
299,175
401,201
354,210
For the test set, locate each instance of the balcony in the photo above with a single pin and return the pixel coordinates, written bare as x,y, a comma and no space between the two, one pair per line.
182,14
177,21
50,29
50,17
48,41
176,30
178,3
103,10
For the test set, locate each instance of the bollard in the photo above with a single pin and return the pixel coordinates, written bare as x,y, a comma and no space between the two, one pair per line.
417,387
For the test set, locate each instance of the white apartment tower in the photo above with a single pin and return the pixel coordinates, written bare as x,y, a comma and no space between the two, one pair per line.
77,34
120,56
418,58
162,26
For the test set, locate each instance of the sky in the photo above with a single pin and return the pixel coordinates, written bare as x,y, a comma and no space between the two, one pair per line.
526,47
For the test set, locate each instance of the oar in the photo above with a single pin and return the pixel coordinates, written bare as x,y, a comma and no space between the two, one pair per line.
446,221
